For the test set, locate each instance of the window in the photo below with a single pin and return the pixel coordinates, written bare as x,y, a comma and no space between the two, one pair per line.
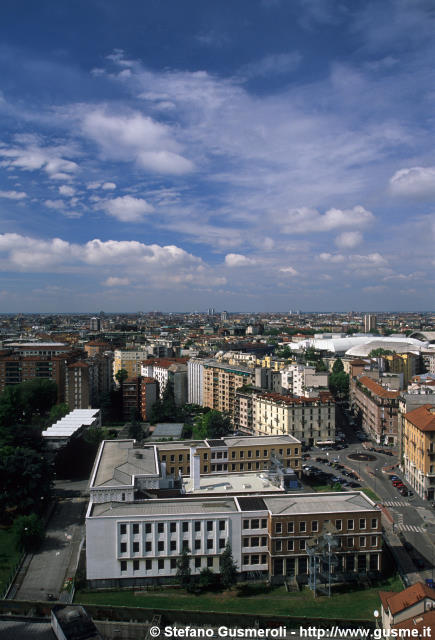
197,525
180,457
173,527
362,541
123,565
221,525
233,454
263,541
148,565
255,542
296,451
278,527
242,466
160,545
288,452
374,523
209,562
135,547
290,545
163,458
265,453
302,545
278,545
290,527
302,527
314,526
246,524
173,545
123,547
374,541
362,523
123,529
221,543
185,527
242,454
161,564
123,497
338,525
197,563
205,456
135,528
160,527
148,547
197,545
173,563
135,565
350,542
255,524
257,453
264,523
172,458
249,454
246,559
349,525
209,525
209,544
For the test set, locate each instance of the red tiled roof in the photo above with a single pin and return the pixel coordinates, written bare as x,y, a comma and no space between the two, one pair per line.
324,396
423,417
406,598
426,619
377,389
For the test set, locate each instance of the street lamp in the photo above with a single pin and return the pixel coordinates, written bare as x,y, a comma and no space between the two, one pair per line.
376,615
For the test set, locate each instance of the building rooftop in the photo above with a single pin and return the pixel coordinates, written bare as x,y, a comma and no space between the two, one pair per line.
75,623
397,602
168,430
71,423
295,504
247,441
377,389
423,417
117,462
172,507
232,483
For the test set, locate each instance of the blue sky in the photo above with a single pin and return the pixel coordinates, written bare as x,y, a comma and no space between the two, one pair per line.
250,155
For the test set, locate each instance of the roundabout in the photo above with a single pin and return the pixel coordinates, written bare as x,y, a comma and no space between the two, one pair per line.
362,457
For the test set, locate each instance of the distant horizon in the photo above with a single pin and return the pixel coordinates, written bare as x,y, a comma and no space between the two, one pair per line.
217,313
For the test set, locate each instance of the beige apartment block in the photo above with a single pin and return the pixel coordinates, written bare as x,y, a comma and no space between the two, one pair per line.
220,383
377,408
419,450
310,420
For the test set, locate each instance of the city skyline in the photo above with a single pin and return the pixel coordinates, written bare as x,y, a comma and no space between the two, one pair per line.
259,156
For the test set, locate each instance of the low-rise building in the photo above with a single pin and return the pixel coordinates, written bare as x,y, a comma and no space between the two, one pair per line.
407,605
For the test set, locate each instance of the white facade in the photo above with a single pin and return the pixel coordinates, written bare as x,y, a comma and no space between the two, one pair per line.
298,379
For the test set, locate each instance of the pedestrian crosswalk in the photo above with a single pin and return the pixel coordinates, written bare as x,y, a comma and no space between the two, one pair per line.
409,527
396,503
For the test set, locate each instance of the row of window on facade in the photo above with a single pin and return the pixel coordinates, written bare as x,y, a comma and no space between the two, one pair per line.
219,455
281,527
164,565
172,526
173,547
291,545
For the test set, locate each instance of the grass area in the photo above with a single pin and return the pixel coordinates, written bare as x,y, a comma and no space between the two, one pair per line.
371,494
9,557
358,604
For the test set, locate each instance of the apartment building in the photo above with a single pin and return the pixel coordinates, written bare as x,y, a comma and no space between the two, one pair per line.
140,542
309,420
377,408
301,380
149,392
419,450
235,454
130,360
165,369
16,368
220,383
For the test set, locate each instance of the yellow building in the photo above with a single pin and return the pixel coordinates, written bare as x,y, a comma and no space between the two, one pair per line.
129,360
220,383
419,450
405,363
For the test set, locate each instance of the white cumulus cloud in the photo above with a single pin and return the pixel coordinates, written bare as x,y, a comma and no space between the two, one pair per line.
108,186
113,281
306,220
238,260
66,190
13,195
349,239
290,271
128,208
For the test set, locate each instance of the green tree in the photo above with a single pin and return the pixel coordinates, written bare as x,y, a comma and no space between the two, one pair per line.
28,532
321,365
121,376
339,384
214,424
183,573
228,567
377,353
25,480
337,367
57,412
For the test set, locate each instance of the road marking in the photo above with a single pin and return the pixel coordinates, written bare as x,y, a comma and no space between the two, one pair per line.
409,527
396,503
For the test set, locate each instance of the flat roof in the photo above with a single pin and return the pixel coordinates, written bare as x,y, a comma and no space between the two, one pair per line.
173,507
241,441
294,504
118,462
231,482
